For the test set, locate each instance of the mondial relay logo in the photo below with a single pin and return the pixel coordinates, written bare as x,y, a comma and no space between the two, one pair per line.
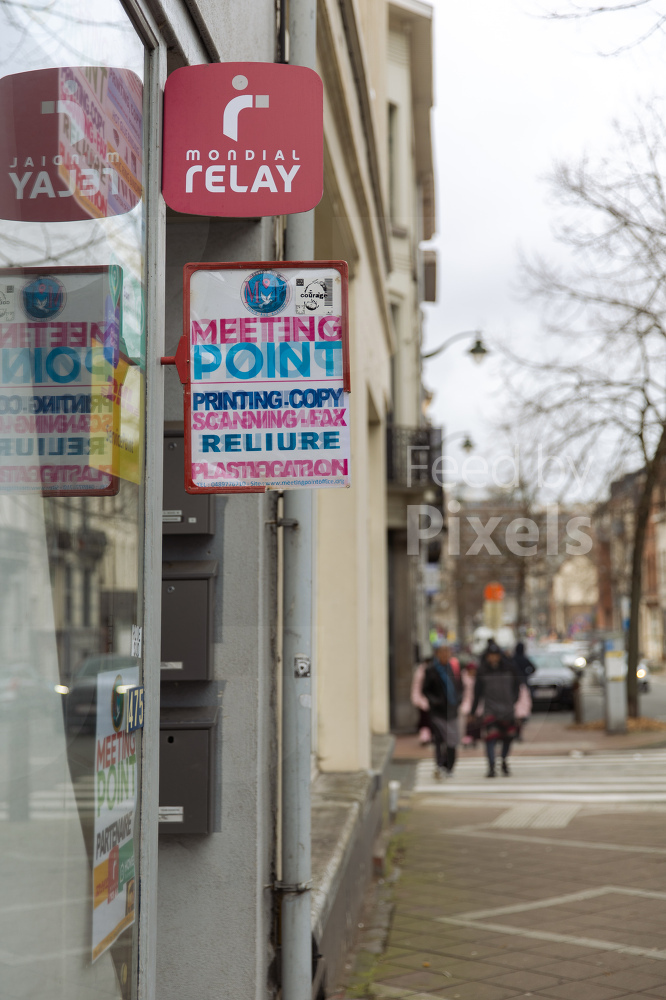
243,140
265,292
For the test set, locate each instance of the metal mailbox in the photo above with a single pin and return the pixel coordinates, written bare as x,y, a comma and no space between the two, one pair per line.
182,512
186,770
187,620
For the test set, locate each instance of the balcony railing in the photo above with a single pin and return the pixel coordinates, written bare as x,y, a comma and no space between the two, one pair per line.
410,454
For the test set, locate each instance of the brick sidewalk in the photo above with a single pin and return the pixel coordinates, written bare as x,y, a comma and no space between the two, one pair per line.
490,913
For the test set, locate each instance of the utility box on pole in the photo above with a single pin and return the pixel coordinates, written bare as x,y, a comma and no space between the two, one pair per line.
615,686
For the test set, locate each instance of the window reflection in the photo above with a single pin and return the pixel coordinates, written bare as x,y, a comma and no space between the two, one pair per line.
71,78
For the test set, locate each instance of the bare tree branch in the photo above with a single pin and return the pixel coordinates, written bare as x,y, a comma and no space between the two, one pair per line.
599,381
578,11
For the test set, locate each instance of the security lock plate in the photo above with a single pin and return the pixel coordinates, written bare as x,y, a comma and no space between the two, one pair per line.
301,666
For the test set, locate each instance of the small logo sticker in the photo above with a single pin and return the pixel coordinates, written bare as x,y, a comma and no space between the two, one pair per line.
43,298
7,304
317,293
117,703
265,293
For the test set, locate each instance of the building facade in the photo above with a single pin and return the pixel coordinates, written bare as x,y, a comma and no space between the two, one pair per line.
614,528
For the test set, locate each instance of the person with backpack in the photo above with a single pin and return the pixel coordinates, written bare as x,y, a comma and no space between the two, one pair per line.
497,687
442,686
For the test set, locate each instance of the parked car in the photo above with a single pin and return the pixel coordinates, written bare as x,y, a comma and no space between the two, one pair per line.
552,683
573,654
80,699
598,673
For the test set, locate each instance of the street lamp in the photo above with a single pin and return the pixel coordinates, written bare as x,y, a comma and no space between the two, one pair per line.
467,445
478,350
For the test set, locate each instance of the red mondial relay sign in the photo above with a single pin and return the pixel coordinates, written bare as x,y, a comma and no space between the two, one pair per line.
243,139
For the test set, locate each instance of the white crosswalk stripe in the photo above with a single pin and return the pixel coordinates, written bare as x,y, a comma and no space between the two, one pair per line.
567,782
59,802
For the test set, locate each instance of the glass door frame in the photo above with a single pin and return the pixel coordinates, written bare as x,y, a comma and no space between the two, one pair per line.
156,72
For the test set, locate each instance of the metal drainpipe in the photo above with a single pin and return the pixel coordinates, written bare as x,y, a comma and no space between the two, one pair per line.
297,636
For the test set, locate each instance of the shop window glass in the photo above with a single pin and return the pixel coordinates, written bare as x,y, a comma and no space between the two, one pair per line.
72,371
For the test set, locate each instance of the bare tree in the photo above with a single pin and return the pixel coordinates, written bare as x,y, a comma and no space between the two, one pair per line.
655,19
604,390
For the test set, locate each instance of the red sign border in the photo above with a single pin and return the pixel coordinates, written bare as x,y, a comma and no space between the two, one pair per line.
113,488
182,356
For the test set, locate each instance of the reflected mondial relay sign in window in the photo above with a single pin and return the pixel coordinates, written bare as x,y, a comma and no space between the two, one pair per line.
71,139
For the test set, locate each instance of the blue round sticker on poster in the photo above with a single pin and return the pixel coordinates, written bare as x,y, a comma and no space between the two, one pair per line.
265,293
43,298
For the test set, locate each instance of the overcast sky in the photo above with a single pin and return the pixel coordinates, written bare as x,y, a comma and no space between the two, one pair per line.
513,92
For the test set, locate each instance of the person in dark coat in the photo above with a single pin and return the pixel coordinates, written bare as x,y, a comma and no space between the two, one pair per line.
497,686
525,668
523,664
442,686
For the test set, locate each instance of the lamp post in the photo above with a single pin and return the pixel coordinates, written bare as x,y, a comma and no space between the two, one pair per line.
467,445
478,350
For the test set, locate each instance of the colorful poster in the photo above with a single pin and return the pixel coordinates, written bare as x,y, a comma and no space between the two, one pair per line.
70,399
114,874
59,341
267,405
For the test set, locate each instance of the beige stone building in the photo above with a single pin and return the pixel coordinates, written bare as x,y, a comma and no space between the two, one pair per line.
376,63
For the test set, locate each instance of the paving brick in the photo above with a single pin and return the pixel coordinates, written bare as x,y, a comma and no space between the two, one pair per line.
609,961
423,980
526,960
634,979
388,970
525,979
392,952
574,991
416,960
472,970
568,969
478,991
560,949
472,949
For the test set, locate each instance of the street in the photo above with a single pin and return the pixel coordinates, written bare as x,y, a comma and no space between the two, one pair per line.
547,883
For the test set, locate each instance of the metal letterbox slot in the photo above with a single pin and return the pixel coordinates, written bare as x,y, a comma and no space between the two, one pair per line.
186,770
187,620
182,513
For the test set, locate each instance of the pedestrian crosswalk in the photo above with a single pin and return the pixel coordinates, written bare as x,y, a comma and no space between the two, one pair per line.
610,777
59,802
